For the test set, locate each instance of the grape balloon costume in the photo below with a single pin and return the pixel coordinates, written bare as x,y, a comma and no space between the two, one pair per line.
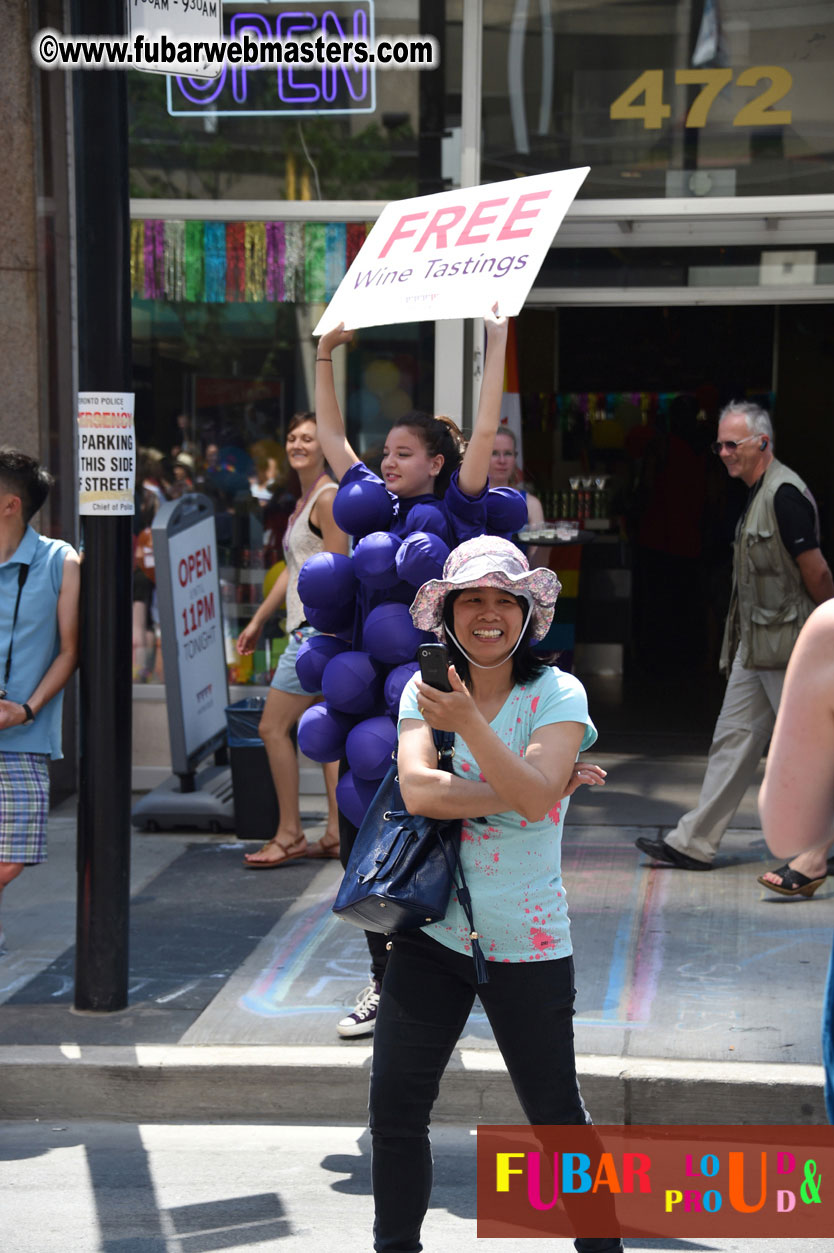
401,540
363,600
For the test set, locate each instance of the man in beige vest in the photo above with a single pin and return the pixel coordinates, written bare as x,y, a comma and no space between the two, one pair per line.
779,575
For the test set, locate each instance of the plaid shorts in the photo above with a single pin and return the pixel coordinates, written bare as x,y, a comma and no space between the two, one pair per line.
24,807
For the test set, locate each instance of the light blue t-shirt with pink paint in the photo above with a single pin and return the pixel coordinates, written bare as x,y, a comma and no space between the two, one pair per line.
513,867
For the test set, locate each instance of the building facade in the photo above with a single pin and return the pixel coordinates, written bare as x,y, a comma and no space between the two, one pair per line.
696,266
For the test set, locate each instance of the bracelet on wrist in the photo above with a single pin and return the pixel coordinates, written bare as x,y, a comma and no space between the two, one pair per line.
329,360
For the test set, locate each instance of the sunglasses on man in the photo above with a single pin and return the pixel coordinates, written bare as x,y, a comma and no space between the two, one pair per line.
731,444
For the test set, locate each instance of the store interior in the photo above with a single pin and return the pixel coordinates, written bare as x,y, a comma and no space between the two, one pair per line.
629,398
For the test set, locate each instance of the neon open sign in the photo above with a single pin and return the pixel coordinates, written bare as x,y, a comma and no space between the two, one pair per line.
282,90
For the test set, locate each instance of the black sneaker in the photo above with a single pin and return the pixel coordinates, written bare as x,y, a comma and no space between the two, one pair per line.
661,851
363,1019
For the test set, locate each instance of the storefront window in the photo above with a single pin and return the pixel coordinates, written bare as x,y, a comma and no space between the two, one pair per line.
216,384
280,134
661,99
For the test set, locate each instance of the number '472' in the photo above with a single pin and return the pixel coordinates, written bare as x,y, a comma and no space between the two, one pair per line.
757,112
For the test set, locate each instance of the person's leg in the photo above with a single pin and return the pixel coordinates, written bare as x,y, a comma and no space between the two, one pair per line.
744,726
9,870
426,998
811,865
530,1010
328,845
362,1019
24,811
281,713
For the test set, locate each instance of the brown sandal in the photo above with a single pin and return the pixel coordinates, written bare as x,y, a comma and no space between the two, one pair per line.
324,849
793,882
276,861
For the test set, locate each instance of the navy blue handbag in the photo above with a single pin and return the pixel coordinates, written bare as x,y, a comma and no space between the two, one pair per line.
403,867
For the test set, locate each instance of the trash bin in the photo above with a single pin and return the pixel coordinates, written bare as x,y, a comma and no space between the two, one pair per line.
256,805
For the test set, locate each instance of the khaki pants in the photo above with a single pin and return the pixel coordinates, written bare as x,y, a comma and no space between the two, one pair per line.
741,733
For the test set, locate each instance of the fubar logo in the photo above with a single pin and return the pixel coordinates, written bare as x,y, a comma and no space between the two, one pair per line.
719,1182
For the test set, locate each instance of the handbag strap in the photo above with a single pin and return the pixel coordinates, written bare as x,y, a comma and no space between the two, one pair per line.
444,742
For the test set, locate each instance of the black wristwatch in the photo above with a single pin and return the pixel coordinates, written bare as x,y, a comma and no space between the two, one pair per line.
30,717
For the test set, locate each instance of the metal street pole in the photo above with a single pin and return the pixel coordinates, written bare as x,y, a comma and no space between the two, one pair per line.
104,364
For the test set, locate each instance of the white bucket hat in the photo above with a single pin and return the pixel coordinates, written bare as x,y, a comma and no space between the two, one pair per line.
488,561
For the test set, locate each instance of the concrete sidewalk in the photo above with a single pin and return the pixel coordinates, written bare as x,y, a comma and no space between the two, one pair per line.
699,995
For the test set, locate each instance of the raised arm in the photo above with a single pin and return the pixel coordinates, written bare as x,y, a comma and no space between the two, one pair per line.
474,468
796,801
329,421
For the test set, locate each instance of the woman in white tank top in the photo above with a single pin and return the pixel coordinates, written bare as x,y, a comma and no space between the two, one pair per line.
310,530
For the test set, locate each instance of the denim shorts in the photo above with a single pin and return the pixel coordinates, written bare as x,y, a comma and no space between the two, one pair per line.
285,678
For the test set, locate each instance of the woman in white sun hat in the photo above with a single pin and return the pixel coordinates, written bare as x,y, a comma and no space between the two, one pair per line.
519,726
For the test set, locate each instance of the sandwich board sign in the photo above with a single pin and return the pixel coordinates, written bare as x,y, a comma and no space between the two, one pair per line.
196,683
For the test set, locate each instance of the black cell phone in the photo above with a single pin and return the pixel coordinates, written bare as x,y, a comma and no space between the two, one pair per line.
434,666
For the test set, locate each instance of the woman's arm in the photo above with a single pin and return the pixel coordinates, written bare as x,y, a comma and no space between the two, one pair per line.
537,781
321,515
796,801
531,785
250,634
474,470
435,793
11,713
329,422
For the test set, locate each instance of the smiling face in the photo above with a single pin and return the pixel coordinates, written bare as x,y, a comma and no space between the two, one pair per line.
304,450
407,467
749,460
487,623
502,463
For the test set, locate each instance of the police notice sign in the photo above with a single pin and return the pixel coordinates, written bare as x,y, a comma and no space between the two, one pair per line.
106,453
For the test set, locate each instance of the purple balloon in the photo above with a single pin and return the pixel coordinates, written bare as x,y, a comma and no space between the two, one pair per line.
421,557
390,635
354,796
326,579
359,508
313,656
426,517
336,620
322,733
506,511
374,559
369,747
394,685
352,683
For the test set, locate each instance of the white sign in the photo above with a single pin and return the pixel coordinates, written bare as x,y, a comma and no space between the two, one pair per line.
195,588
454,254
106,452
192,20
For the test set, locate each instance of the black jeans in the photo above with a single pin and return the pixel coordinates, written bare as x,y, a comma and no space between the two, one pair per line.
426,998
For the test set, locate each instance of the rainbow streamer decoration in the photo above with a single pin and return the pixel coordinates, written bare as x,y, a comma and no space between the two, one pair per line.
199,262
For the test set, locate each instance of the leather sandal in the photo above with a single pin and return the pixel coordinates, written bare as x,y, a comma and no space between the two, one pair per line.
324,849
794,883
276,861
